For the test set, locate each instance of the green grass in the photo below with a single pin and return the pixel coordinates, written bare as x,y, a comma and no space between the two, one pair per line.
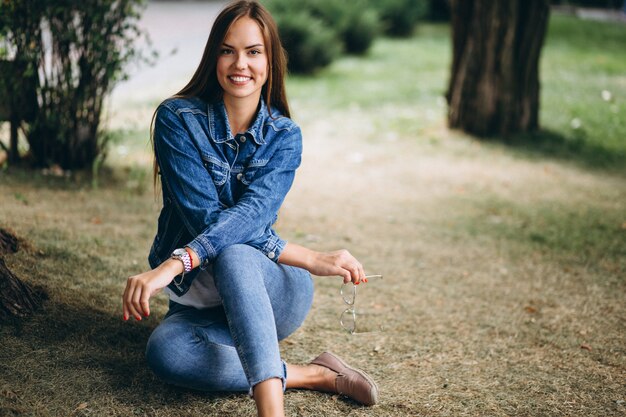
580,61
504,263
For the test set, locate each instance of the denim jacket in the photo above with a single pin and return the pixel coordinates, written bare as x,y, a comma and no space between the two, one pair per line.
219,189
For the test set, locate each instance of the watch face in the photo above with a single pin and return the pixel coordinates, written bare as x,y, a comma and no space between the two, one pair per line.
179,252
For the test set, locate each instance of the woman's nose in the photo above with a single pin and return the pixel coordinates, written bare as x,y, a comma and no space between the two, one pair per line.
240,63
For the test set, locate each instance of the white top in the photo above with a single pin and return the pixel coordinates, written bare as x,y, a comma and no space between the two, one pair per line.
201,294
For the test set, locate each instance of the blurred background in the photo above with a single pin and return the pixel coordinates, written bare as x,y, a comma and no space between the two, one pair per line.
473,152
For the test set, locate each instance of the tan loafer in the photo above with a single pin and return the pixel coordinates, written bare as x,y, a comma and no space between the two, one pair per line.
351,382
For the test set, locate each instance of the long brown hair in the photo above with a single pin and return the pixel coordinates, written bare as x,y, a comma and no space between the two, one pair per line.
204,84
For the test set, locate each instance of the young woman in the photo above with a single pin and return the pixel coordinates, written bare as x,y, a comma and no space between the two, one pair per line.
226,152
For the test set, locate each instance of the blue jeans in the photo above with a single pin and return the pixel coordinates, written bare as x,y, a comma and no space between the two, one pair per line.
235,346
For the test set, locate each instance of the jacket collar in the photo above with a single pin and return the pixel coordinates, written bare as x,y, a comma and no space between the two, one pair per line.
219,129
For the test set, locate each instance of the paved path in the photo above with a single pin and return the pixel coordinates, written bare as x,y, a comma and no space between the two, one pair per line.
180,27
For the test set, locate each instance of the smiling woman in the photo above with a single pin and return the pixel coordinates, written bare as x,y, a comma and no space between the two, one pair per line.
226,151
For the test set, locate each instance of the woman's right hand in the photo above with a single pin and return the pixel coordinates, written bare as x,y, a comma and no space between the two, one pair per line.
139,288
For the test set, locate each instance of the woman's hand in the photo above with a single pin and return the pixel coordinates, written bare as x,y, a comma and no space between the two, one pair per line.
139,288
340,262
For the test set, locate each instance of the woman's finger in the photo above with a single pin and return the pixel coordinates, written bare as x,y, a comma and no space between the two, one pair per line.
362,273
144,301
125,310
354,274
346,276
129,310
133,289
136,301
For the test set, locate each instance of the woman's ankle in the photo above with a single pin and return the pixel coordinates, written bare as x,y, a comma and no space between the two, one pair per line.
313,377
325,378
268,396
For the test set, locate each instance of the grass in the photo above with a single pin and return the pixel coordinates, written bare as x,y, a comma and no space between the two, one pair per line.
504,264
584,92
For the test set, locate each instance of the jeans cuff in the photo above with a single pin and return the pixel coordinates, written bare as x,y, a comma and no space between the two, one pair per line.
283,380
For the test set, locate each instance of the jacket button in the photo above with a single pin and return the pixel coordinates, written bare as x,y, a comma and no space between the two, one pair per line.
240,176
271,255
242,138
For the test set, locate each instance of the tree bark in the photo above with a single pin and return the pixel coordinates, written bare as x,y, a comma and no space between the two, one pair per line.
8,242
17,299
494,82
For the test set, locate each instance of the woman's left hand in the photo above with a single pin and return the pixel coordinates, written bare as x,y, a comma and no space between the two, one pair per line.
340,262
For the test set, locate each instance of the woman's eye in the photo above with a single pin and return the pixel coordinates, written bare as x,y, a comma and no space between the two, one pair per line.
255,52
226,51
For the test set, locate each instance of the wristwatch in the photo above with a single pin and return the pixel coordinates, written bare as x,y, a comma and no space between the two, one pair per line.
183,256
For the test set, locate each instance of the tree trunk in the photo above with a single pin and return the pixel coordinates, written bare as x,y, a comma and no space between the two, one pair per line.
16,298
494,83
14,154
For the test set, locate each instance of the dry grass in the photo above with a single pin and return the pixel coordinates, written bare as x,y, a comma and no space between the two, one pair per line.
504,273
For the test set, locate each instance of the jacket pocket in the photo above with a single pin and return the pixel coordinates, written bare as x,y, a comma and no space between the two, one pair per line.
217,169
251,170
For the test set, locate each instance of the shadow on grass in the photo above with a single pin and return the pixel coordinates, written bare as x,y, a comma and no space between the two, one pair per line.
74,353
131,178
577,149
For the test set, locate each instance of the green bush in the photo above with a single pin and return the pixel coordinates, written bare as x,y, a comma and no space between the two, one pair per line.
399,17
314,32
438,11
356,23
77,50
310,44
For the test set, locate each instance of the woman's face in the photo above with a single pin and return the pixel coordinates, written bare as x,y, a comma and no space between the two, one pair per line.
242,62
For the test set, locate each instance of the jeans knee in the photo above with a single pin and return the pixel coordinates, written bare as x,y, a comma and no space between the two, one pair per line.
237,253
179,358
236,262
163,352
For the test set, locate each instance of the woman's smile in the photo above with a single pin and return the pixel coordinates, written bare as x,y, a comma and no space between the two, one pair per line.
239,79
242,66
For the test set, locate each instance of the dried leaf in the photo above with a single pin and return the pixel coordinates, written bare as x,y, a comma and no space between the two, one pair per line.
96,220
530,309
586,347
81,406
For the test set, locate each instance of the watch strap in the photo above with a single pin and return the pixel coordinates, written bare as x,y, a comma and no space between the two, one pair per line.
183,256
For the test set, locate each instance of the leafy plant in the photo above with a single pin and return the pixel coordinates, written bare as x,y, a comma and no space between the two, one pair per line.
310,44
399,17
314,32
76,50
356,23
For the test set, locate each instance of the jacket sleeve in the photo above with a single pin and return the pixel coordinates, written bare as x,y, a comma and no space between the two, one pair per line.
251,217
